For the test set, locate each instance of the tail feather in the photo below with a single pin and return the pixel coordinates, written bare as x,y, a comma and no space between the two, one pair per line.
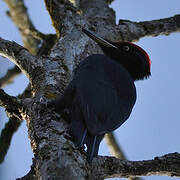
92,152
81,134
93,143
77,126
83,138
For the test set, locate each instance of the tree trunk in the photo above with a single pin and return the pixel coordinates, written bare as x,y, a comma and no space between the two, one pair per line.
51,69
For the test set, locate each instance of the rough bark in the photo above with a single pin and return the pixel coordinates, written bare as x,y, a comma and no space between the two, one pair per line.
15,119
55,155
133,31
116,150
167,165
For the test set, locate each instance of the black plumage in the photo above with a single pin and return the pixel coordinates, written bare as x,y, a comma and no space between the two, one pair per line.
102,93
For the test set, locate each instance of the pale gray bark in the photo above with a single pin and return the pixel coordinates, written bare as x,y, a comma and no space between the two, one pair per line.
55,155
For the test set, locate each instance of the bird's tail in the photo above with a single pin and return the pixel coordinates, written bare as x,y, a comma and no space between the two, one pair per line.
77,125
81,134
93,143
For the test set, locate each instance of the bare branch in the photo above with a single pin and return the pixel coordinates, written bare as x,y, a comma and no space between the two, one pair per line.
48,42
33,67
10,75
32,38
27,93
10,103
115,149
19,56
110,167
11,126
53,148
6,135
6,99
18,14
36,42
133,31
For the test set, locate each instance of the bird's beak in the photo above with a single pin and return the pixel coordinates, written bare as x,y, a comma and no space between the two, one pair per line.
98,39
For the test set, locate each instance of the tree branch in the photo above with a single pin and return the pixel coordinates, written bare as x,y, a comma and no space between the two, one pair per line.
133,31
11,104
55,154
110,167
12,125
18,14
10,75
36,42
27,93
19,56
6,135
116,151
33,67
113,146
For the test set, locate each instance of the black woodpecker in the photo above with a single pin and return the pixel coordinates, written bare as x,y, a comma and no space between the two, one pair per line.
102,93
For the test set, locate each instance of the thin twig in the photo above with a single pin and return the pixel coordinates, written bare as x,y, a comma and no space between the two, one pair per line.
6,135
9,76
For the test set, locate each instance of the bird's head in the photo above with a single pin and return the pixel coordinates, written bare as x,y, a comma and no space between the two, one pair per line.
131,56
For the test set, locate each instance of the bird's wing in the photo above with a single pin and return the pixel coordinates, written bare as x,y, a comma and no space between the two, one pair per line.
104,110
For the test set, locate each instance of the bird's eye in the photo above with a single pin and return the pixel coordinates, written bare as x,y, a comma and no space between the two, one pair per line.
126,48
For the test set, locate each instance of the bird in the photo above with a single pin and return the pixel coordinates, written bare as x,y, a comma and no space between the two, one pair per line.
102,93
